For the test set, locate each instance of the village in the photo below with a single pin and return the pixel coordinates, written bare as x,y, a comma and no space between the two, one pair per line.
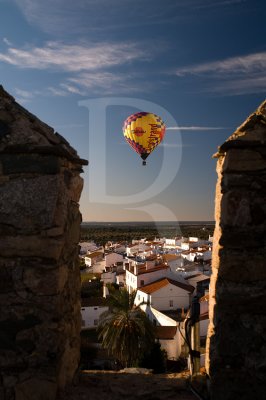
166,275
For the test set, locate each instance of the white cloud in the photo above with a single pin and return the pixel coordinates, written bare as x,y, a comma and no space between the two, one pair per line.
242,64
194,128
7,42
25,94
233,76
83,16
85,67
99,79
73,58
68,17
103,82
72,89
244,85
57,91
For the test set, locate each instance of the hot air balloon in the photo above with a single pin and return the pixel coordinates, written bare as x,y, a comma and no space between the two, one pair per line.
143,131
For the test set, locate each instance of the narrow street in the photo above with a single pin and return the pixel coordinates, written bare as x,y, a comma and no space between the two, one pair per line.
103,385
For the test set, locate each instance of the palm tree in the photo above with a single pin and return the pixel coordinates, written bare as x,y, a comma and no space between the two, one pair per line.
125,330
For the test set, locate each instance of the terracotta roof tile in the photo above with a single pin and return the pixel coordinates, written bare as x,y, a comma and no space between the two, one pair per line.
165,332
142,269
154,286
95,254
169,257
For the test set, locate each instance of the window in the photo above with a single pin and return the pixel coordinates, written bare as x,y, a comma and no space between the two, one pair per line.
141,283
138,297
171,303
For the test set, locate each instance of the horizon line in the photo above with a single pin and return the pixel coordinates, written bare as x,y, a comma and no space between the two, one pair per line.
153,222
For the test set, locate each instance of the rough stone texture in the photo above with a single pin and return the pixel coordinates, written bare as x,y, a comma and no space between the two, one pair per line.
40,186
236,344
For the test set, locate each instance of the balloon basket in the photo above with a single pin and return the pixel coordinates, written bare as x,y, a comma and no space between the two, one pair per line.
143,162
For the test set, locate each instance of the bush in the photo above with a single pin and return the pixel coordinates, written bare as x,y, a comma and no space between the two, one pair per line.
156,359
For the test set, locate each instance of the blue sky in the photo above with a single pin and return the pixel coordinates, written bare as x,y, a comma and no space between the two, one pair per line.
83,66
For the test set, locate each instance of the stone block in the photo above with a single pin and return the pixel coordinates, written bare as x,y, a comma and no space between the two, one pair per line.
239,239
34,201
243,160
29,163
45,283
235,208
4,128
36,389
31,246
10,328
6,281
242,266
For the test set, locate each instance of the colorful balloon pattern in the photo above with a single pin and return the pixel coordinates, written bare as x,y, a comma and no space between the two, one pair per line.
144,131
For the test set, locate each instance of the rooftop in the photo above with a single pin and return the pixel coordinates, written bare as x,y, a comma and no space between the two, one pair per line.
93,302
165,332
160,283
95,254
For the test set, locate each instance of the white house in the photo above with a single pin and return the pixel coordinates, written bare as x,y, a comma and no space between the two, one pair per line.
138,275
108,277
93,258
116,247
91,310
174,242
112,258
134,249
169,242
165,294
191,244
168,331
86,247
204,254
195,279
121,278
174,261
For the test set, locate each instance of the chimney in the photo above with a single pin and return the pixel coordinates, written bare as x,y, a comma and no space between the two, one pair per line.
105,291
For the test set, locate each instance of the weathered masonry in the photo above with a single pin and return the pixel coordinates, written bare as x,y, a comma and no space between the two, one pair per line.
40,186
237,334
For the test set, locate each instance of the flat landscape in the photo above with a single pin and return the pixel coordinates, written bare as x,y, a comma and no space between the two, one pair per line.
102,232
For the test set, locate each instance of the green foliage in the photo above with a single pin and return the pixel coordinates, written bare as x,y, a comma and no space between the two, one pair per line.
86,277
101,234
125,330
88,351
112,287
82,264
156,359
91,286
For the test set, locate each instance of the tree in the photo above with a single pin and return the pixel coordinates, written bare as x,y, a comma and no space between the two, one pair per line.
156,359
125,330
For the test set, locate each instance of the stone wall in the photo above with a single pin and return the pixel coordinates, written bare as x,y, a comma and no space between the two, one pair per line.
40,186
237,335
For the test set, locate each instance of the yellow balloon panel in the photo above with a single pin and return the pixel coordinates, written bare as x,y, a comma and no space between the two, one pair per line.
144,131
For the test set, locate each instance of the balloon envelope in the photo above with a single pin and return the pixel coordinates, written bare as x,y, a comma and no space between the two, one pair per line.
143,131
